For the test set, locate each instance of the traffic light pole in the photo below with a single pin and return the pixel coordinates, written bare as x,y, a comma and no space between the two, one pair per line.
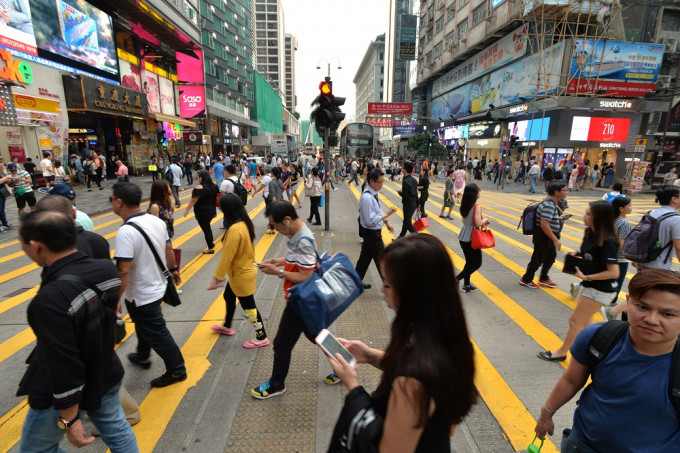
326,177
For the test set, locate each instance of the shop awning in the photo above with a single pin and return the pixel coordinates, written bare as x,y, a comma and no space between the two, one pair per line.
172,119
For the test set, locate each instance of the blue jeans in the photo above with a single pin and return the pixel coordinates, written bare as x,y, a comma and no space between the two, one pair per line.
573,442
153,333
533,183
40,432
3,218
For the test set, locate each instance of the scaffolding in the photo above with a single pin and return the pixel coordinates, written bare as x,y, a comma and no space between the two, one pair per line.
578,25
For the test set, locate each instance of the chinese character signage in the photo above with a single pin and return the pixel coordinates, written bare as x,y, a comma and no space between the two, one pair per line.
612,60
86,93
407,36
505,50
191,101
379,121
390,108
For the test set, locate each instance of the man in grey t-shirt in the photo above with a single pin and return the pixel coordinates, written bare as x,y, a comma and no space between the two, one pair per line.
669,228
546,238
448,195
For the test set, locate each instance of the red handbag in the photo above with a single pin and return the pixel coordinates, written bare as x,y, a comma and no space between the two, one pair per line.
421,223
481,237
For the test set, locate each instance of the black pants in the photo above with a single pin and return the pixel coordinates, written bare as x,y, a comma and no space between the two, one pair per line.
248,304
407,225
290,328
98,176
314,209
473,261
190,177
204,223
370,250
153,333
421,202
544,254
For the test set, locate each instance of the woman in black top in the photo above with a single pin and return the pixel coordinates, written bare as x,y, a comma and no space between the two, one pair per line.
291,183
428,368
203,202
599,274
423,186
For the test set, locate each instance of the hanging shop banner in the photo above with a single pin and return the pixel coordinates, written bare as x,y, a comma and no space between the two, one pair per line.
505,50
167,92
17,31
191,101
390,108
612,88
130,75
407,37
535,75
52,138
192,138
404,127
379,121
638,177
612,60
150,87
86,93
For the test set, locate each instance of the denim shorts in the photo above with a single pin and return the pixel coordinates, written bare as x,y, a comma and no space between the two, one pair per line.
597,296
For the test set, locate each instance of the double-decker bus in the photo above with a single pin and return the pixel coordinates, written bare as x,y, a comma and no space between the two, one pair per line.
356,141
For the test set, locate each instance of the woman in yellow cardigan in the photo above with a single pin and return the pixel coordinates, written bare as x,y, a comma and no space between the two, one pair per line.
238,256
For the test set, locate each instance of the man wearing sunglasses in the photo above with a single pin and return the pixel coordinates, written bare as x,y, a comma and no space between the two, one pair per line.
21,182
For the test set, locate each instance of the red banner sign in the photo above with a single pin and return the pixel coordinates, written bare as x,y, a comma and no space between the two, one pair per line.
390,108
379,121
612,88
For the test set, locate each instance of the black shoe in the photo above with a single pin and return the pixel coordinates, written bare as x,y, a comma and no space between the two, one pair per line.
468,288
168,379
309,220
316,223
139,361
367,285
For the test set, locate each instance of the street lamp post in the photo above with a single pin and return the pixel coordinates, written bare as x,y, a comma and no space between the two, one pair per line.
327,153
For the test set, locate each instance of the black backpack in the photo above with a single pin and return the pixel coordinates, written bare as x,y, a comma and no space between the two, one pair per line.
529,218
240,190
169,176
642,243
608,335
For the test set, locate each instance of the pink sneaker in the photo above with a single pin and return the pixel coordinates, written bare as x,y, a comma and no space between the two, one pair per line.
531,285
548,283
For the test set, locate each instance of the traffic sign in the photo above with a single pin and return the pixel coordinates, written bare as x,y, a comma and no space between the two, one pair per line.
640,142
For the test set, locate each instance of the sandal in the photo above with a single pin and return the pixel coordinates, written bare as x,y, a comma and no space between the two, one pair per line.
250,344
217,328
209,252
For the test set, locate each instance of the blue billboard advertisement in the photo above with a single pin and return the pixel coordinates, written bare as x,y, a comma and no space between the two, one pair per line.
613,60
532,76
404,127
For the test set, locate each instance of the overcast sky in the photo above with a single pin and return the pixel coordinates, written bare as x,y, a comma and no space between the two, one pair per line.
334,30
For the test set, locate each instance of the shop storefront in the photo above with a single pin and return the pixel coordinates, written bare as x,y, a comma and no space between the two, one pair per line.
484,141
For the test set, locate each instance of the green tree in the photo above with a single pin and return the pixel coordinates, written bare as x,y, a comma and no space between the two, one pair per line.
421,143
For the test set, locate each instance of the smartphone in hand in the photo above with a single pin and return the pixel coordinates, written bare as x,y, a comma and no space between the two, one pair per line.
331,346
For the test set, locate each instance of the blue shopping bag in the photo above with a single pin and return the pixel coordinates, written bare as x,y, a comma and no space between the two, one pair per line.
332,288
321,201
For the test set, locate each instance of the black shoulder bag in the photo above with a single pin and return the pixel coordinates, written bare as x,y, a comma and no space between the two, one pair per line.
171,297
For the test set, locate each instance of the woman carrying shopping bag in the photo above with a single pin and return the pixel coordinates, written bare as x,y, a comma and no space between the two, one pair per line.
313,191
471,212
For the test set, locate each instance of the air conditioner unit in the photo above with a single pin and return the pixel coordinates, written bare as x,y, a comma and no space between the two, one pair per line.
664,81
670,44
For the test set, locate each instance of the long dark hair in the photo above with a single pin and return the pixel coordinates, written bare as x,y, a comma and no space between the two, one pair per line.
234,212
160,194
206,181
618,203
429,338
603,222
470,194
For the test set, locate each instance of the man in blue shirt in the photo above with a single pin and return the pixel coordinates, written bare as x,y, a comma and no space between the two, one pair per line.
626,408
218,170
371,221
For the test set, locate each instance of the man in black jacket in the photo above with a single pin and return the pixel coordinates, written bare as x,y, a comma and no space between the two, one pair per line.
409,198
73,366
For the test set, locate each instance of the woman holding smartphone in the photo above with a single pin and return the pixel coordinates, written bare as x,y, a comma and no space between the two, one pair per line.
599,250
236,261
417,401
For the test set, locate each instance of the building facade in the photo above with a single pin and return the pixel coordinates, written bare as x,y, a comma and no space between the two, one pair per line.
369,80
270,41
290,48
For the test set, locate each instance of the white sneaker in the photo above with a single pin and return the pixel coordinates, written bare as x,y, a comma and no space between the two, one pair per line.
574,289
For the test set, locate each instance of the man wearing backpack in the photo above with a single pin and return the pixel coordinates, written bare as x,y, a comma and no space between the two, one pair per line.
546,238
669,228
626,406
231,184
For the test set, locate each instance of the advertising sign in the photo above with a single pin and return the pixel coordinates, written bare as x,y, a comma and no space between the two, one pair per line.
390,108
596,129
404,127
18,32
487,130
612,88
505,50
130,75
167,91
535,75
76,30
638,178
193,138
407,37
379,121
612,60
191,101
150,87
91,94
536,129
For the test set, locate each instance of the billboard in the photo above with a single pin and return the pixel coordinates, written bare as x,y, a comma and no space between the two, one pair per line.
390,108
167,91
130,75
599,129
16,30
407,37
536,129
611,87
613,60
77,31
150,87
191,101
379,121
535,75
505,50
404,127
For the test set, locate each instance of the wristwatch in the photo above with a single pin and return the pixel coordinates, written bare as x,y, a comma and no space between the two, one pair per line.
281,273
64,424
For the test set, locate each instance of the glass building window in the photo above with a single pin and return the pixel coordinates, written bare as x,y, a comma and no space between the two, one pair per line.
478,14
462,29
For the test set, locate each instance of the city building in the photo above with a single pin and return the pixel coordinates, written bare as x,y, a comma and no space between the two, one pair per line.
269,41
396,69
226,29
369,80
290,48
